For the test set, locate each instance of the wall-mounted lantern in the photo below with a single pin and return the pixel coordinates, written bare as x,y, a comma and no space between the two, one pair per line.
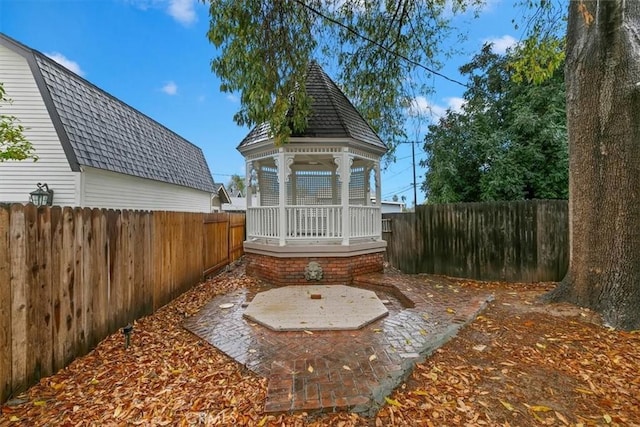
42,196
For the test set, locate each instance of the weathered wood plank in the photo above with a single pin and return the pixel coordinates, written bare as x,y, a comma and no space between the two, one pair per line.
65,320
6,307
137,253
83,291
42,294
159,260
126,267
99,280
148,264
19,297
31,292
55,263
114,222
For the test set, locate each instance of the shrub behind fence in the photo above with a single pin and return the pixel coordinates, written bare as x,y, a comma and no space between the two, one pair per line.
523,241
71,276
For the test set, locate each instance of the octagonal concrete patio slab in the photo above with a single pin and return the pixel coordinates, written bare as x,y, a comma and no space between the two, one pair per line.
315,307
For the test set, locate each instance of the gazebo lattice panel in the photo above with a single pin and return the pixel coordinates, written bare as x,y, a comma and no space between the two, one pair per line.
268,186
312,187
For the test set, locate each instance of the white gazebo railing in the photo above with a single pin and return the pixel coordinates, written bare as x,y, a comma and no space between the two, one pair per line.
314,223
263,222
366,221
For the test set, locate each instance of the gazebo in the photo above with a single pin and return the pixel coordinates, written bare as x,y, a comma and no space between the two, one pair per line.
311,213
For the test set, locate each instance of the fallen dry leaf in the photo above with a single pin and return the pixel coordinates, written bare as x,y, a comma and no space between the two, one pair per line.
507,405
539,408
586,373
392,402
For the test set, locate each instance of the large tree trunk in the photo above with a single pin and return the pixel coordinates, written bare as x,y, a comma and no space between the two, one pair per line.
603,120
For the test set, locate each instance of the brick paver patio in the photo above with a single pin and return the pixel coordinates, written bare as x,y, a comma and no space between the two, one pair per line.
342,370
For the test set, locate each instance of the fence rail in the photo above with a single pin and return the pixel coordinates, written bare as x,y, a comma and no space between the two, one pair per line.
71,276
524,241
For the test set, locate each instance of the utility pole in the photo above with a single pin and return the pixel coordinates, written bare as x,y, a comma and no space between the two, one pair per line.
415,193
413,157
413,162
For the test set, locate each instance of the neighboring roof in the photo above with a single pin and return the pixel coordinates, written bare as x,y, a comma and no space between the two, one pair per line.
332,114
221,192
100,131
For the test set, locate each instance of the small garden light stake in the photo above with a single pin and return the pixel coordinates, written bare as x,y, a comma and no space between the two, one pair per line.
127,334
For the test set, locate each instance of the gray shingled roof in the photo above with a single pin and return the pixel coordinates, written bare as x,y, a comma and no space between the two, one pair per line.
100,131
221,191
332,114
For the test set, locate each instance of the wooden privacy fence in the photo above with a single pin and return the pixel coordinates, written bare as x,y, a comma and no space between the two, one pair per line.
523,241
219,252
71,276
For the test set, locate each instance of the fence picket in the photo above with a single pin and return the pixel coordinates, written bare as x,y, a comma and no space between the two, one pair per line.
5,309
19,297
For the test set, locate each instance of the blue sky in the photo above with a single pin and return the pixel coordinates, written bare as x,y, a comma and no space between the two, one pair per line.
154,55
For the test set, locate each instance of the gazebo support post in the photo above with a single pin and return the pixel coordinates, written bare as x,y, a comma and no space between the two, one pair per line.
282,196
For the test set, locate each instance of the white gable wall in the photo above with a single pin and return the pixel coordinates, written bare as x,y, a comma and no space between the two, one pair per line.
104,189
18,179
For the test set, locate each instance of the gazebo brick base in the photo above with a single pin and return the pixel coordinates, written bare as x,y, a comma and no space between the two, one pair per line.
290,271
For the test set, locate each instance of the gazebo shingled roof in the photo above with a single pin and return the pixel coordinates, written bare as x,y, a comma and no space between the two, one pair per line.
332,115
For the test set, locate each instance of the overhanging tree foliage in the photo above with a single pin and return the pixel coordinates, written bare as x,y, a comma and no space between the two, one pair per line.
383,53
13,144
509,142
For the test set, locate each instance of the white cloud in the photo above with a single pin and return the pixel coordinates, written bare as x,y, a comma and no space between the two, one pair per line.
455,104
66,62
182,11
170,88
420,106
501,44
231,97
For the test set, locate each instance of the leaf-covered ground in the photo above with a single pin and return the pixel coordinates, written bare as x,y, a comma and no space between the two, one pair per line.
520,363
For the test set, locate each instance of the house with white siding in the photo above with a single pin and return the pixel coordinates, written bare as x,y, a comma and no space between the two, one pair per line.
94,150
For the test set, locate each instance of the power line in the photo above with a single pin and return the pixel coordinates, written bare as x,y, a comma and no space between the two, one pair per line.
380,45
397,191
